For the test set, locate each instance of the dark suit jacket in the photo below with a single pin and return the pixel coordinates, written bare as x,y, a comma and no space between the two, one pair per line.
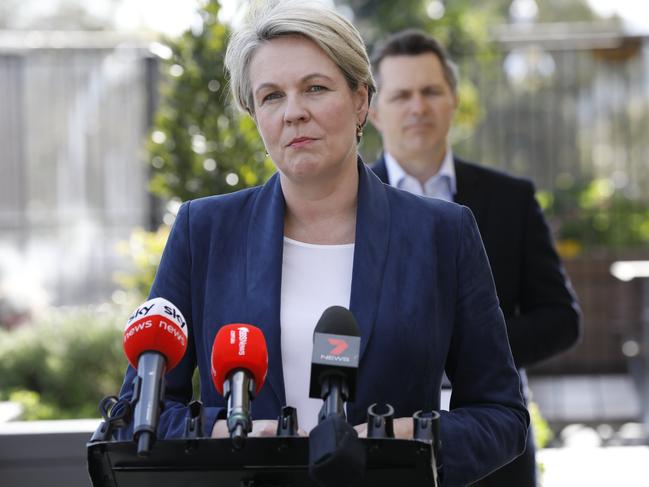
539,306
424,301
538,303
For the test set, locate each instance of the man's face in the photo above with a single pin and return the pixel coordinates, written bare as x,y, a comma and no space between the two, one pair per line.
414,108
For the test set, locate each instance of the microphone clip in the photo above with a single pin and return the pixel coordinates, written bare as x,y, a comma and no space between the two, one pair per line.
380,421
426,429
287,424
116,414
194,420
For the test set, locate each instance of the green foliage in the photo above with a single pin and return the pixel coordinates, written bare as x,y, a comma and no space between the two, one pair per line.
593,214
33,408
61,365
563,11
200,144
463,27
144,250
542,432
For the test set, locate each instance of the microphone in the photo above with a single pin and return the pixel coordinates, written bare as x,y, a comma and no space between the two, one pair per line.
336,455
155,340
239,367
334,362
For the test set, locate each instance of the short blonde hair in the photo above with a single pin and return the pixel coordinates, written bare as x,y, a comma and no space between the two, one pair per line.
335,35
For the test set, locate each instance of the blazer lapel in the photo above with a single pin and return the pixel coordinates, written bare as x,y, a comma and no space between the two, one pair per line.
264,252
370,252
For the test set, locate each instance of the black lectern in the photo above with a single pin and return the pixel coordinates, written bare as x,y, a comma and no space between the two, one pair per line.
261,462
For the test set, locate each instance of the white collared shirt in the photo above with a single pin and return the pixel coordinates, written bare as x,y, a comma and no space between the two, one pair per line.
442,185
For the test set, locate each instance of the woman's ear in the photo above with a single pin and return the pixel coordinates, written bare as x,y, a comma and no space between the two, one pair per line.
361,103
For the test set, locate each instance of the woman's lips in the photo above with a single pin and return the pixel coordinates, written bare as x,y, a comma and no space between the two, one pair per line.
300,142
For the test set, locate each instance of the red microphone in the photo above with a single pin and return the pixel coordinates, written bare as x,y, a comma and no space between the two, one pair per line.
155,340
239,367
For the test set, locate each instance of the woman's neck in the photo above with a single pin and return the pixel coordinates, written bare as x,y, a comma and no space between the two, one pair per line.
324,211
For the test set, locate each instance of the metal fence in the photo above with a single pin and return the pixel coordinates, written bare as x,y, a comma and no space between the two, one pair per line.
72,125
564,105
566,109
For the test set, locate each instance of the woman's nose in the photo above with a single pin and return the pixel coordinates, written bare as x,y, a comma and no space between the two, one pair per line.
295,110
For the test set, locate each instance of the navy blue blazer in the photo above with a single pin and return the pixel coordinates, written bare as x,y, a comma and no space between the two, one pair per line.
540,307
425,302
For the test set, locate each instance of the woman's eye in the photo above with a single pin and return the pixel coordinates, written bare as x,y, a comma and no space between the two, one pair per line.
316,88
271,96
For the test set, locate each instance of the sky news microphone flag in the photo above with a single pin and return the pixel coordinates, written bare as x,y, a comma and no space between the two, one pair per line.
155,340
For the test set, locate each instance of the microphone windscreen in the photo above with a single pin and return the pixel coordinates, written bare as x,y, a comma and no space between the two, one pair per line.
337,320
156,326
336,350
239,346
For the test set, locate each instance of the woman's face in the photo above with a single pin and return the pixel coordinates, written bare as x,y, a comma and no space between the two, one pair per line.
304,109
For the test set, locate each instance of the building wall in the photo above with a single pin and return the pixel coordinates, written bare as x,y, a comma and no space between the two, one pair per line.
72,128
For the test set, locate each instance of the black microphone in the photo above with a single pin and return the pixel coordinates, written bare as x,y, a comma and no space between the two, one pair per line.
336,456
155,340
334,362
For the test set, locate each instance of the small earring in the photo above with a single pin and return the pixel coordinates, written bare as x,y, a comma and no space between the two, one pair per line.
359,130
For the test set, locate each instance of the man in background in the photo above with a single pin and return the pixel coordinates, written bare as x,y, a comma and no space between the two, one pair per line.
413,110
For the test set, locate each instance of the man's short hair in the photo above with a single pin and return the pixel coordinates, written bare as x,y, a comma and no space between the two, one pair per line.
412,42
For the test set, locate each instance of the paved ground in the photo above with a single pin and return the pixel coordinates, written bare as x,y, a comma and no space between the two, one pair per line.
599,440
617,466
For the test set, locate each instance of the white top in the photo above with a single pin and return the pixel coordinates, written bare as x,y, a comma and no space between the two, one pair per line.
442,185
314,277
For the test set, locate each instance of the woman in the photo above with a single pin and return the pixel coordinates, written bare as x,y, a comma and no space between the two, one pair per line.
325,231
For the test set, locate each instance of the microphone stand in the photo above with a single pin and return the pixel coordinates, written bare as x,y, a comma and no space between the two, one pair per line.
239,389
334,393
148,394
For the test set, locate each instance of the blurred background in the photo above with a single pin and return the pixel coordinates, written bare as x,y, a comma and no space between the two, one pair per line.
112,112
